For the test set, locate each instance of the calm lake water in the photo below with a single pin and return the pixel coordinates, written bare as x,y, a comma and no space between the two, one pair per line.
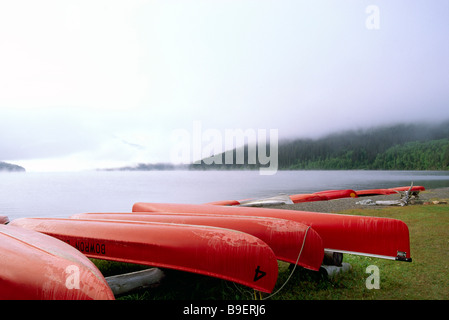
63,194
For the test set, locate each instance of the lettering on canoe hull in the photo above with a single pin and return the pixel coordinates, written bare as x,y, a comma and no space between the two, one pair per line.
259,274
87,246
90,247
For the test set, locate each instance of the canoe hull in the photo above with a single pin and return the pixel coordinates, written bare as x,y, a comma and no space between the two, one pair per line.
4,220
369,236
34,266
211,251
375,192
307,197
285,237
337,194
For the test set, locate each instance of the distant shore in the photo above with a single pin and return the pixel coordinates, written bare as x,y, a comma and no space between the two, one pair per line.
8,167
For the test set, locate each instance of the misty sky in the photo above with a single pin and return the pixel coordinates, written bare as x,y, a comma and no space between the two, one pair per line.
88,84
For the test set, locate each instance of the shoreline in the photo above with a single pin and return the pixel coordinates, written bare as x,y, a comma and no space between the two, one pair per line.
337,205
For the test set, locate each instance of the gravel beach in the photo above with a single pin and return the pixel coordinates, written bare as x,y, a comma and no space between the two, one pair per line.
331,206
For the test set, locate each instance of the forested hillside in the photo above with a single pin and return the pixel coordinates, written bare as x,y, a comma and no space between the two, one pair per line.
398,147
417,155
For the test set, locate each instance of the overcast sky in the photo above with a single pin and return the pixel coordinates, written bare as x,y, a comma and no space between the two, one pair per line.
87,84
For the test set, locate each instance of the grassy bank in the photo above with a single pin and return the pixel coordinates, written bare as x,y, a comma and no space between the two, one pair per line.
426,278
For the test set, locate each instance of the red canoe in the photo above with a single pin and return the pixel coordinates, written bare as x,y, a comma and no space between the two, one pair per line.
34,266
386,191
211,251
285,237
295,198
370,236
4,220
415,188
338,194
323,195
307,197
373,192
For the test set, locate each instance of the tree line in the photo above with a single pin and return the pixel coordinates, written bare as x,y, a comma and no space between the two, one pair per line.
417,155
395,147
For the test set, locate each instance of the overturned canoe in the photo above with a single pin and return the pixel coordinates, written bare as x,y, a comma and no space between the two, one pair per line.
323,195
373,192
4,220
412,189
285,237
34,266
337,194
289,199
211,251
387,191
370,236
307,197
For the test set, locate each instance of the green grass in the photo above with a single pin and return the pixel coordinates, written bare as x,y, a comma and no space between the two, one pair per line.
425,278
